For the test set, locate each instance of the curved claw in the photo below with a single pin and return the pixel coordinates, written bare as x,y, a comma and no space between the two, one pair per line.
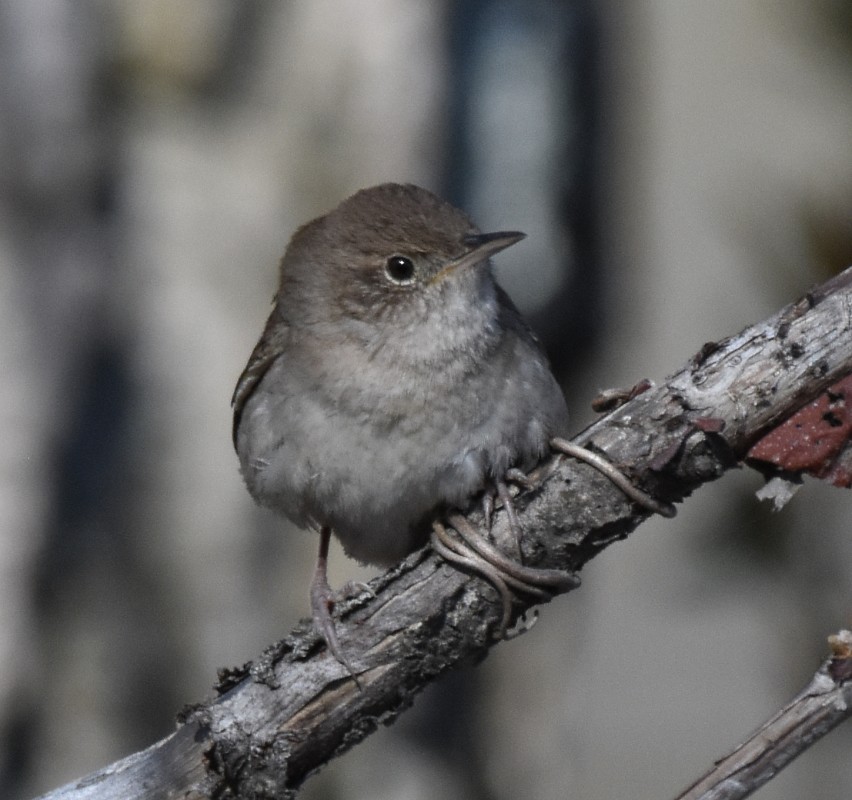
455,552
473,551
615,475
528,579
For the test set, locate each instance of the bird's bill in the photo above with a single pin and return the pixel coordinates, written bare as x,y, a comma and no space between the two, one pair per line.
480,247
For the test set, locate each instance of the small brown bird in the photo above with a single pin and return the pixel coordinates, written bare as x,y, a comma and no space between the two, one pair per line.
393,381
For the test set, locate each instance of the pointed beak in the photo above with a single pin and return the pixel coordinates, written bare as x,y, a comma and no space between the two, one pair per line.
480,246
483,245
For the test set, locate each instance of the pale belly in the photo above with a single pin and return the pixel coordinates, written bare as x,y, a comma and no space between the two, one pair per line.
375,478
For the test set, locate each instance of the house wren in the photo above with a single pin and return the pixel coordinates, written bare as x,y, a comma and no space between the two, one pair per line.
394,379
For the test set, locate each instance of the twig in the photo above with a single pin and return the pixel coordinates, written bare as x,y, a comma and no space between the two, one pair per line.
822,705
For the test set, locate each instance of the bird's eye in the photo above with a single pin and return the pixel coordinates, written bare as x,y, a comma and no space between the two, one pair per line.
400,270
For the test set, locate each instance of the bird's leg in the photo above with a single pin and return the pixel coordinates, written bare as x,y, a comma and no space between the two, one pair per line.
512,518
603,466
513,475
488,507
322,601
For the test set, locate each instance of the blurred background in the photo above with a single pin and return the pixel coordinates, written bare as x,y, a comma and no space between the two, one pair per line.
682,168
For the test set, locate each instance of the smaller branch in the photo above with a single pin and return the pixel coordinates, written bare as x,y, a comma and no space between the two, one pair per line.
822,705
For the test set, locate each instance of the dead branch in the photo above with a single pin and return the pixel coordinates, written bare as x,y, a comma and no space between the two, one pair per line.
280,718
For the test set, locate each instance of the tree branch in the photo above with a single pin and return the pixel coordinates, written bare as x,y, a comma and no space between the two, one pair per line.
282,717
822,705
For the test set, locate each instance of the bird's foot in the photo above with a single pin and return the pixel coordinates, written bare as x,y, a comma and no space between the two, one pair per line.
501,490
606,468
469,548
